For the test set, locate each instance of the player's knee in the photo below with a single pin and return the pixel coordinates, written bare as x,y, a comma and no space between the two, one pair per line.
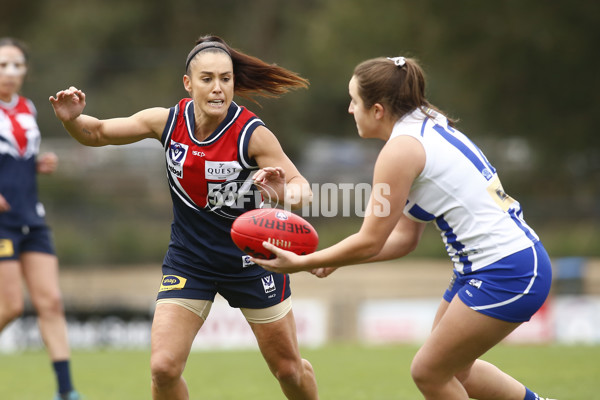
421,373
165,370
49,305
308,368
289,372
428,375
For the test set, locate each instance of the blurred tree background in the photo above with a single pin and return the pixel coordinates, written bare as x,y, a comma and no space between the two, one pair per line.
521,76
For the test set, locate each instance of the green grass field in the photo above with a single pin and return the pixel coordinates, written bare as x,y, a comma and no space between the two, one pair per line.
344,372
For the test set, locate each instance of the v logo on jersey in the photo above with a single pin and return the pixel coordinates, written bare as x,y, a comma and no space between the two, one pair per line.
178,152
268,283
176,159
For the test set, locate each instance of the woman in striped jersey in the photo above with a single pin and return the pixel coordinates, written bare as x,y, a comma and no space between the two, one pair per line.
215,151
26,246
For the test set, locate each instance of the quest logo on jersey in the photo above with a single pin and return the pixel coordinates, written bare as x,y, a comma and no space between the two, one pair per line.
222,170
176,158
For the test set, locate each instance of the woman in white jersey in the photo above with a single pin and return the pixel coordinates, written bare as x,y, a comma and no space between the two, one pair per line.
430,172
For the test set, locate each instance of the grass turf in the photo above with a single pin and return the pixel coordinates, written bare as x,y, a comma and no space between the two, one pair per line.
348,372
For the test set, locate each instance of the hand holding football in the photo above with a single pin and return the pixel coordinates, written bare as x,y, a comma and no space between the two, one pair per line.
281,228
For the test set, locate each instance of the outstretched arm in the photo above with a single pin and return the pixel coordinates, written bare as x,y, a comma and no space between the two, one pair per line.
399,163
68,107
402,241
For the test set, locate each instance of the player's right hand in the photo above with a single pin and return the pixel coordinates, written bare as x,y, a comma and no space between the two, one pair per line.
68,104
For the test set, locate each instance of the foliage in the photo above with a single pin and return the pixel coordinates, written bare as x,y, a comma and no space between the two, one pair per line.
520,76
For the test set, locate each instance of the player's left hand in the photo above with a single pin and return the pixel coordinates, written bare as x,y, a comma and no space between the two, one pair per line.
285,262
271,183
68,104
47,163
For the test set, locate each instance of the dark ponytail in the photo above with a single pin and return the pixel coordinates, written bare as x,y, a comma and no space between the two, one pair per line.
252,76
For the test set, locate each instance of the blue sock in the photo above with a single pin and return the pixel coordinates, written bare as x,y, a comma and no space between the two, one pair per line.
63,376
529,395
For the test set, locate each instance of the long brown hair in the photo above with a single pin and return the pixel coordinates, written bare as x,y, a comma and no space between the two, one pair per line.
252,76
400,87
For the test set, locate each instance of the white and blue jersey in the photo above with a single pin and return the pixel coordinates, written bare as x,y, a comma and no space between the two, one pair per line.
500,267
460,192
211,184
19,146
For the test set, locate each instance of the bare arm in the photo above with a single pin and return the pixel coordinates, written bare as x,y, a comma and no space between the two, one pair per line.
278,176
69,104
399,163
402,241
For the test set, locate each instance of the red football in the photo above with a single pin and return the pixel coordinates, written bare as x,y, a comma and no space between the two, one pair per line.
282,228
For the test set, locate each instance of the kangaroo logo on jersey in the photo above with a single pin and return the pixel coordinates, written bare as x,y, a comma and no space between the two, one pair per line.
268,283
177,154
476,283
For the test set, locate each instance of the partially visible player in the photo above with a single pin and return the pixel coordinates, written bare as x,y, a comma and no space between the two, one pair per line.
215,151
431,172
26,247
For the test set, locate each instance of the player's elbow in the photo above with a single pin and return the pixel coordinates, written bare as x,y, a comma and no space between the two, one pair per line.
86,140
409,244
369,248
402,244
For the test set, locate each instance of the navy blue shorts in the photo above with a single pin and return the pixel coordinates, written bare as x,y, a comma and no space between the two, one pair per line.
511,289
17,240
263,291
